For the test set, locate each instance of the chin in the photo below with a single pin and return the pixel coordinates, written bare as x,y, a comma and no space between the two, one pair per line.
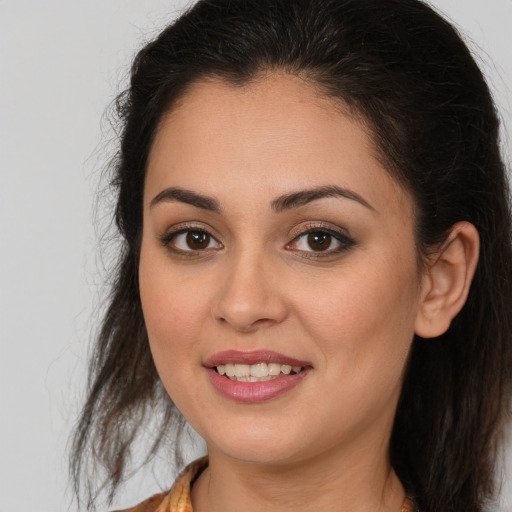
257,445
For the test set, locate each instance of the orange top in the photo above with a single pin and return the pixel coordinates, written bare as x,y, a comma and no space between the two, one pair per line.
178,498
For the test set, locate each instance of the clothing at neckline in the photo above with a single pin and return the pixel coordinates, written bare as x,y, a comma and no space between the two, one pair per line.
178,498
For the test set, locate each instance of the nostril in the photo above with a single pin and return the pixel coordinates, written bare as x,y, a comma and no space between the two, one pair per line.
248,327
247,301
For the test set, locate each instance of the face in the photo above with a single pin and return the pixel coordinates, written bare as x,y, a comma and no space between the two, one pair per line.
278,272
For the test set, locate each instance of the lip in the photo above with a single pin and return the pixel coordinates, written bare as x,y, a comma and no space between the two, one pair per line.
254,392
254,357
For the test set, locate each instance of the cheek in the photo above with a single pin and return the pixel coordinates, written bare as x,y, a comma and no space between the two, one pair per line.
364,330
171,311
175,309
172,299
365,321
174,317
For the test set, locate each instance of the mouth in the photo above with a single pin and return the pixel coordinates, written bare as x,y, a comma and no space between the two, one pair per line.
259,372
256,376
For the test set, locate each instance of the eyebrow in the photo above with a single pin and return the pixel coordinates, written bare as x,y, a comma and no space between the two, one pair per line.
280,204
303,197
188,197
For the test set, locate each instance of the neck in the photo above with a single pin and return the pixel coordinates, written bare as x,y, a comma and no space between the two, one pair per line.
360,481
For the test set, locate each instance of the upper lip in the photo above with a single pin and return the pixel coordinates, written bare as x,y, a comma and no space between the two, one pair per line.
253,357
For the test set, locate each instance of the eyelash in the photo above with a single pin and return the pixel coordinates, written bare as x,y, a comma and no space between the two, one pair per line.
168,239
344,242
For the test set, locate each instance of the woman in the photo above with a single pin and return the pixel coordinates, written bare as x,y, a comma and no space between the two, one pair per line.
316,262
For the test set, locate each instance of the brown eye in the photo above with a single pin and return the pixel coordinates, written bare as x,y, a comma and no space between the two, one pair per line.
197,240
319,241
191,240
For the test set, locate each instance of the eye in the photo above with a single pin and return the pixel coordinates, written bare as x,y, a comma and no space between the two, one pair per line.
321,241
317,241
190,240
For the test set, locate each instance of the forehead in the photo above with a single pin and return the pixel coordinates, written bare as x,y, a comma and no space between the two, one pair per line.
254,112
272,135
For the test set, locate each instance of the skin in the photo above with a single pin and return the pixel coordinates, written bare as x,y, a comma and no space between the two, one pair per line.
257,285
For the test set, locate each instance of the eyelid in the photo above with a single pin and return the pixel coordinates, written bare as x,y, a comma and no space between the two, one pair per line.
311,226
342,235
184,227
302,227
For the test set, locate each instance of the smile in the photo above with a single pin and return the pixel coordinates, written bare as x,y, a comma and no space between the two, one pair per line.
259,372
257,376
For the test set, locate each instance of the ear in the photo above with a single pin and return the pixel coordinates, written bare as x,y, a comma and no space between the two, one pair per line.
447,279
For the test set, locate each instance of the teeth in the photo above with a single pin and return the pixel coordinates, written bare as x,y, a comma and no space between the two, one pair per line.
274,369
253,379
242,370
286,369
259,372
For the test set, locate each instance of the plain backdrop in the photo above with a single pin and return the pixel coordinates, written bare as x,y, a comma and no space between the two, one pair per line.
61,63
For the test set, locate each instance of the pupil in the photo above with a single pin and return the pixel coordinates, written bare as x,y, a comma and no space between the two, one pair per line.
197,240
319,241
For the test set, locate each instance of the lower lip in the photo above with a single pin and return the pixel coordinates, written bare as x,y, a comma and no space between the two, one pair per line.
251,392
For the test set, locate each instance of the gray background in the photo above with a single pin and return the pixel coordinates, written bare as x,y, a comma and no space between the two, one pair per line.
61,62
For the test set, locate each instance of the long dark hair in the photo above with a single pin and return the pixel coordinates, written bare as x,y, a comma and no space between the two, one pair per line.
405,71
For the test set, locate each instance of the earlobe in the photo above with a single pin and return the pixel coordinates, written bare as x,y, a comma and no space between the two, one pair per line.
447,280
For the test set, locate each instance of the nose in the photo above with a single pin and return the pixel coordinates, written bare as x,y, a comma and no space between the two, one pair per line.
249,297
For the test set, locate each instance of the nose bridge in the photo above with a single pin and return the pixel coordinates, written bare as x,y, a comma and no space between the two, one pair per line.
248,295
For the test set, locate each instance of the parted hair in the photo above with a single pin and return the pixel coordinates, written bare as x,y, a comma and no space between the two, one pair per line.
405,71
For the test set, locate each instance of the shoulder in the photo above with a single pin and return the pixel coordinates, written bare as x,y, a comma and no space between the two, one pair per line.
409,505
177,499
149,505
